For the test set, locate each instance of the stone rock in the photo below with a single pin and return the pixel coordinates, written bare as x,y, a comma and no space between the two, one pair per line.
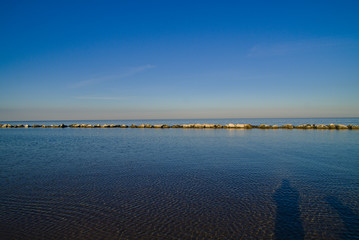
321,126
197,125
243,126
288,126
341,126
305,126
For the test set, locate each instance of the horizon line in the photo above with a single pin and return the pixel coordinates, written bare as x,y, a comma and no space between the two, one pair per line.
136,119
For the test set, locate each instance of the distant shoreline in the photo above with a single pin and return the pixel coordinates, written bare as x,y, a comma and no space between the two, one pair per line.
194,126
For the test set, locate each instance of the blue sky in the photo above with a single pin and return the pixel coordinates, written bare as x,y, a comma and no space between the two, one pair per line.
69,60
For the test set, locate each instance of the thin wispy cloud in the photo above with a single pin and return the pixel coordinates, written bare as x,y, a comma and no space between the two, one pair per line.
130,72
292,47
101,98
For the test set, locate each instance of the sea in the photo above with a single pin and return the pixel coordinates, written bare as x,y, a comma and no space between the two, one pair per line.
141,183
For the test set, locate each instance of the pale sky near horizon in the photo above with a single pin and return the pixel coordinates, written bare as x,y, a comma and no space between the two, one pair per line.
72,60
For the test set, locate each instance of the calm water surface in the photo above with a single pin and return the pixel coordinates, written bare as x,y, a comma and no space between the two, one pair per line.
253,121
179,184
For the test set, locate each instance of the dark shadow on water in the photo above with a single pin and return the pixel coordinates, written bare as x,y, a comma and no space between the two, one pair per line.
349,218
288,224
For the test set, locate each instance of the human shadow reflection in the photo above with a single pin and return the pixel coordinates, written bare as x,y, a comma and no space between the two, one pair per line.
349,218
288,224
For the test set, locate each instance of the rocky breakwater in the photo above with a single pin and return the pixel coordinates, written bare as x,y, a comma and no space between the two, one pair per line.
193,126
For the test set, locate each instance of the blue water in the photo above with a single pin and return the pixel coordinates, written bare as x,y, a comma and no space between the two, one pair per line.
179,183
253,121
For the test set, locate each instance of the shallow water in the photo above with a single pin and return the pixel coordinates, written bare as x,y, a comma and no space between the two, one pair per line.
178,184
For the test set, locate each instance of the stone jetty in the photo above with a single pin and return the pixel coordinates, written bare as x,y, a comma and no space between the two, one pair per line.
194,126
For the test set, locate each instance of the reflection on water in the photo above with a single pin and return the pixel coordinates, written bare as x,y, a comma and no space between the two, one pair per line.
288,224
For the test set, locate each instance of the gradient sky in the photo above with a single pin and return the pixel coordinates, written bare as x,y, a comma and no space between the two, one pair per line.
71,60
